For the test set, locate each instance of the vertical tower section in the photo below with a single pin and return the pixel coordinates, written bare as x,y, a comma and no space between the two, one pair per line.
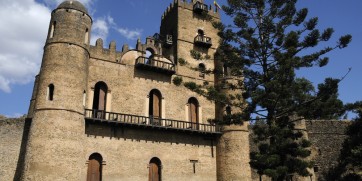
58,112
188,35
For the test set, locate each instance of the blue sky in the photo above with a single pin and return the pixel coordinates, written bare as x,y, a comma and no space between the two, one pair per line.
24,24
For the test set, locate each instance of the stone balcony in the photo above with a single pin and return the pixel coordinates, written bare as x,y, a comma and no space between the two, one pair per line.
155,65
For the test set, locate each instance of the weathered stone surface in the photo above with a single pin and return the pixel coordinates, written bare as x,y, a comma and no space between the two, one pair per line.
11,132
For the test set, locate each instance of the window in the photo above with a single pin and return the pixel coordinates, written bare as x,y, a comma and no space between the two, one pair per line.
51,34
95,167
226,72
149,56
193,105
86,36
155,106
154,169
84,96
200,32
50,92
228,110
202,70
100,99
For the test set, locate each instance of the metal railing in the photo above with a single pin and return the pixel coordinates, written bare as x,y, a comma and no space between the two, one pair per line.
204,40
155,63
149,121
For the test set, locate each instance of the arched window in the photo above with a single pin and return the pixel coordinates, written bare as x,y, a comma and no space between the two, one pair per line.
94,167
50,92
51,34
193,105
228,110
155,105
100,98
155,169
84,96
226,71
149,56
86,36
200,32
202,70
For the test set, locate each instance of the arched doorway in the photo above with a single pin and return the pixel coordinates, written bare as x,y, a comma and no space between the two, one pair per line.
100,99
193,105
94,167
155,106
154,169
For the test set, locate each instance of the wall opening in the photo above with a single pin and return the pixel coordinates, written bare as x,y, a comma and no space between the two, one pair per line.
50,92
84,96
51,35
155,167
86,36
155,106
149,56
202,70
193,105
100,99
94,167
200,32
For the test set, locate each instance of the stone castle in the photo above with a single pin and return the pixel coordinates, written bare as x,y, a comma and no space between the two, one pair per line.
103,114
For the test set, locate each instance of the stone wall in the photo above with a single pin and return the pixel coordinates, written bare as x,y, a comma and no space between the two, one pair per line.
327,138
11,132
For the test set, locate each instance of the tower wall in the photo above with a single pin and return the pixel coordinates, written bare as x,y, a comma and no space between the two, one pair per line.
54,148
232,154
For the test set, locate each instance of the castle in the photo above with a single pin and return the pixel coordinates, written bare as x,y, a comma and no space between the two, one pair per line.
103,114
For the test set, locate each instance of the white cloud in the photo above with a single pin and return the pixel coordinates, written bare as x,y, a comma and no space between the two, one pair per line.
23,30
100,29
129,34
54,3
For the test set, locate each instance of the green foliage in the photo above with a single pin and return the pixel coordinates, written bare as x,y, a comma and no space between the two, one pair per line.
177,80
196,55
182,61
267,43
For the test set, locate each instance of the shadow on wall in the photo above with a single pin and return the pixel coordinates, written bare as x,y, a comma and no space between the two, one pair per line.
150,75
154,135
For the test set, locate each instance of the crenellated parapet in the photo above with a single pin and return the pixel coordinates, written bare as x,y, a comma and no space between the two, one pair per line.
101,53
191,5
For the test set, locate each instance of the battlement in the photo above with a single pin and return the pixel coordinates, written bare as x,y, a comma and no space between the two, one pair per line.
189,4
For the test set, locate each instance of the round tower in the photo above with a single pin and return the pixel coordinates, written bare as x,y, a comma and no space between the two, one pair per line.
58,112
232,150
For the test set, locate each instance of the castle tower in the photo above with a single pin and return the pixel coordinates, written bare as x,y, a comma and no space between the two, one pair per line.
188,35
58,100
233,151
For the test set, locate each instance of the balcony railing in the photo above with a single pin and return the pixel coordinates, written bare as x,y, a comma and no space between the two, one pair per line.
202,40
200,7
135,120
155,65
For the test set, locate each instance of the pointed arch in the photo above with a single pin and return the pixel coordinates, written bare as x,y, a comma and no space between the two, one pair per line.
155,172
94,172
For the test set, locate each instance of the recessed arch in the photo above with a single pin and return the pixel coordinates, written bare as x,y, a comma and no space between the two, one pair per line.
155,105
94,172
50,92
193,106
52,29
202,70
100,98
200,32
155,169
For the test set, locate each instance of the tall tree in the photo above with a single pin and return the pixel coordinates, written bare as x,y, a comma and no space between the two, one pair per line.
268,41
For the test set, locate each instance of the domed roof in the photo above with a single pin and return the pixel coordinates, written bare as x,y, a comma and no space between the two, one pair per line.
69,4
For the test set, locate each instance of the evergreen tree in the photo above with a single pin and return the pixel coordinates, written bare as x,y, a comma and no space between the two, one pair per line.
350,160
268,41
